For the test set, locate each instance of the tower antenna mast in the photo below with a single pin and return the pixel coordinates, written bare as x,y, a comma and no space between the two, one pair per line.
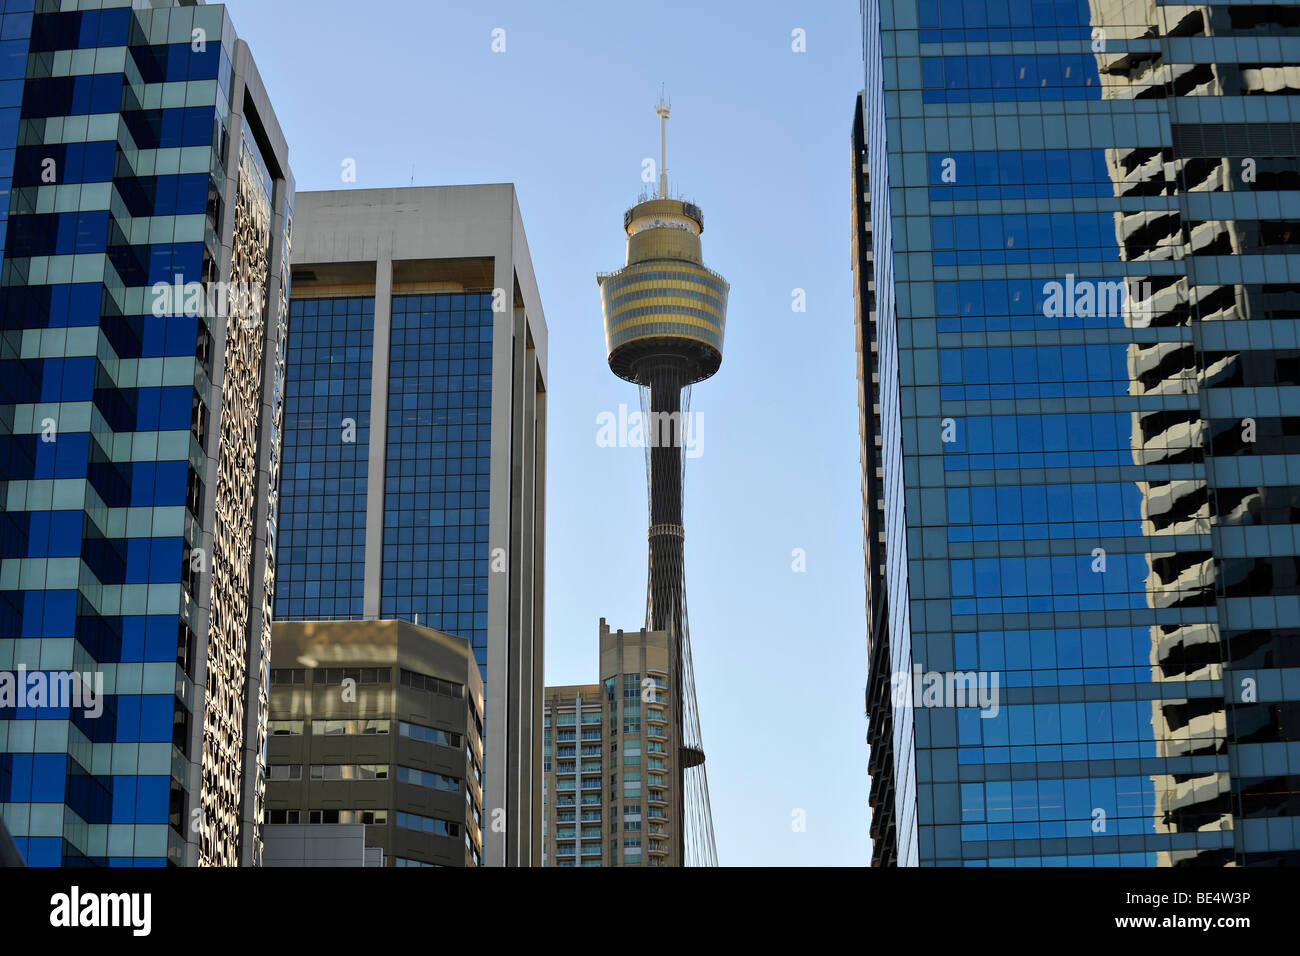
662,109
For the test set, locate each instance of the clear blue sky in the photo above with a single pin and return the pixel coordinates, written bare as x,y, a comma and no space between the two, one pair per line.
759,138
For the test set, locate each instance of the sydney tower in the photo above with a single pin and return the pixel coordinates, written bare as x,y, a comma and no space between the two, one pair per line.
664,318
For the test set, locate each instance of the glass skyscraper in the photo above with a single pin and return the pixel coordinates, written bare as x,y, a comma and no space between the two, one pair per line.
1077,238
415,437
147,204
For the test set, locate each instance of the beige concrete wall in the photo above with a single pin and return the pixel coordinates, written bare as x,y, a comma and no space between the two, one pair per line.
393,646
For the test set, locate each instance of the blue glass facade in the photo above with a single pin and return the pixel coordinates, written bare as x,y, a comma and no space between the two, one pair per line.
15,32
322,546
436,462
1078,298
436,557
117,127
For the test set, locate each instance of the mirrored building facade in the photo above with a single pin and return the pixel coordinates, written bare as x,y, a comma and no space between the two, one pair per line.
1075,233
143,310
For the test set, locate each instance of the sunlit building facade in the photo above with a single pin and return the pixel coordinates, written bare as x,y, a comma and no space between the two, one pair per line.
147,222
378,723
1076,229
611,789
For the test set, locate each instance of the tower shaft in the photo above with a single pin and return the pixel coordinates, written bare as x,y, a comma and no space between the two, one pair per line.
665,603
665,438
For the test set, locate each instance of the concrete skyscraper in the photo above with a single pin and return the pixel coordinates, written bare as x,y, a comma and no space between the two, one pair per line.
665,314
147,210
1075,235
415,441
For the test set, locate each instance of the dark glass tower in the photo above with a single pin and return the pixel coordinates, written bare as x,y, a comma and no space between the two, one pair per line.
665,314
1076,228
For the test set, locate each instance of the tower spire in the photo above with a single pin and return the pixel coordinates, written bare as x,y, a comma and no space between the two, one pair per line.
662,109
